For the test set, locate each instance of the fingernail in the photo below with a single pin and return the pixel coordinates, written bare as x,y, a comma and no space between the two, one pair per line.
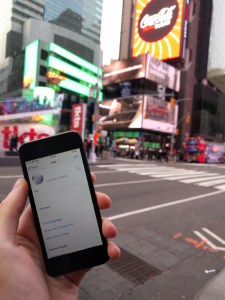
16,184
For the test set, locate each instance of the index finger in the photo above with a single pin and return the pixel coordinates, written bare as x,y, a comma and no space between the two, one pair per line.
11,208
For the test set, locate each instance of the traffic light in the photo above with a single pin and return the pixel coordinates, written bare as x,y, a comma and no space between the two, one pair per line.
172,103
89,117
188,119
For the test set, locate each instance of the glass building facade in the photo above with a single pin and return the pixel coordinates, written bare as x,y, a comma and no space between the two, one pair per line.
73,24
216,60
83,17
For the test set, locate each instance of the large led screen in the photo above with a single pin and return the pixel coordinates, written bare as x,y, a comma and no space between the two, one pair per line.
121,113
158,28
31,65
29,118
142,111
158,115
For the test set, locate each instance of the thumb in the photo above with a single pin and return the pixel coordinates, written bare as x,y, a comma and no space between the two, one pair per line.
11,208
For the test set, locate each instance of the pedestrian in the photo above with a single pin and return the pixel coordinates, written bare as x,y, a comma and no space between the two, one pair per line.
22,272
89,145
13,142
114,149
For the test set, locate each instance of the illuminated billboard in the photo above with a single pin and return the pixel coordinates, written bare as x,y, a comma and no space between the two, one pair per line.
143,66
30,118
72,72
65,70
158,115
31,65
160,28
136,112
124,70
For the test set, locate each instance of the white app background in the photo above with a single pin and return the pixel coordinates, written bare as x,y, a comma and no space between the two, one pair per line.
63,203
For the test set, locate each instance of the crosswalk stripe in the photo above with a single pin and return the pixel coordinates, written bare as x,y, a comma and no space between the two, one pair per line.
220,187
200,178
136,169
212,182
206,178
123,165
143,172
179,177
164,175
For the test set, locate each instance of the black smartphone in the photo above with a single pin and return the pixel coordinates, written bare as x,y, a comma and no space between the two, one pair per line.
64,203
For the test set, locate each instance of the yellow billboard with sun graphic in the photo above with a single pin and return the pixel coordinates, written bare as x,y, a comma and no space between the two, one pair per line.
160,28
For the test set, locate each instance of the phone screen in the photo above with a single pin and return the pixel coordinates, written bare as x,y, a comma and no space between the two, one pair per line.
63,203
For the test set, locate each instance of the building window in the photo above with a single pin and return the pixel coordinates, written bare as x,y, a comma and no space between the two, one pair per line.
43,71
41,83
44,54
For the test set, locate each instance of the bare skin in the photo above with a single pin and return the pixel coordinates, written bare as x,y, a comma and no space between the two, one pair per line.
22,271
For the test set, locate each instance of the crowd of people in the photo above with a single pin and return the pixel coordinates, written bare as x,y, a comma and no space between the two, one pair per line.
159,154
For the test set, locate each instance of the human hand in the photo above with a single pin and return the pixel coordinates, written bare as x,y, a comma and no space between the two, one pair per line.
22,271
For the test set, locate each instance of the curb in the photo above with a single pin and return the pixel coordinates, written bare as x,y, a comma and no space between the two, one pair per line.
214,289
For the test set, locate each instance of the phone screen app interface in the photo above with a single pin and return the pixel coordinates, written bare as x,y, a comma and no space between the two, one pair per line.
63,202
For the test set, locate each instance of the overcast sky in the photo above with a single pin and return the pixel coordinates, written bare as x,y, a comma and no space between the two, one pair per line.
111,26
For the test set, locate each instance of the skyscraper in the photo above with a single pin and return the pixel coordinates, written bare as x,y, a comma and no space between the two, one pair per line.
83,17
72,24
201,61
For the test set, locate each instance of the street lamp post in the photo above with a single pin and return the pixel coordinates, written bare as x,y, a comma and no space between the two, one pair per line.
94,94
178,123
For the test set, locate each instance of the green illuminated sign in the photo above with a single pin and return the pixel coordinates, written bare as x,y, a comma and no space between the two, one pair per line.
74,58
31,66
71,70
128,134
74,86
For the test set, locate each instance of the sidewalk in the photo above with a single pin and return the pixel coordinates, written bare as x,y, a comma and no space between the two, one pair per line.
214,289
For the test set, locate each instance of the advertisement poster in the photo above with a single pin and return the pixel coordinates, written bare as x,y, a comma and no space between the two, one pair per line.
121,113
158,116
29,118
136,112
78,118
144,66
160,28
123,70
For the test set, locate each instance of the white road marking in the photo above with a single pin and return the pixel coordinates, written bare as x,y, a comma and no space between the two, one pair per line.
213,182
105,172
147,172
122,165
126,182
208,177
11,176
164,175
168,204
163,172
143,169
221,187
204,238
179,177
215,236
208,242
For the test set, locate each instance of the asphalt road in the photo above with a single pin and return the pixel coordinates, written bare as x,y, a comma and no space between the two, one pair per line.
170,219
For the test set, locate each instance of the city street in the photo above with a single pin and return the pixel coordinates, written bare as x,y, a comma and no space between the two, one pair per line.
170,219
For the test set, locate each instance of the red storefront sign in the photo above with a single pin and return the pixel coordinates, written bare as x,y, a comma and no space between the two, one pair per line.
78,118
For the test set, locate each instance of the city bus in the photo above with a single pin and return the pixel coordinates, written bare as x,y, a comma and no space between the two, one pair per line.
198,150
